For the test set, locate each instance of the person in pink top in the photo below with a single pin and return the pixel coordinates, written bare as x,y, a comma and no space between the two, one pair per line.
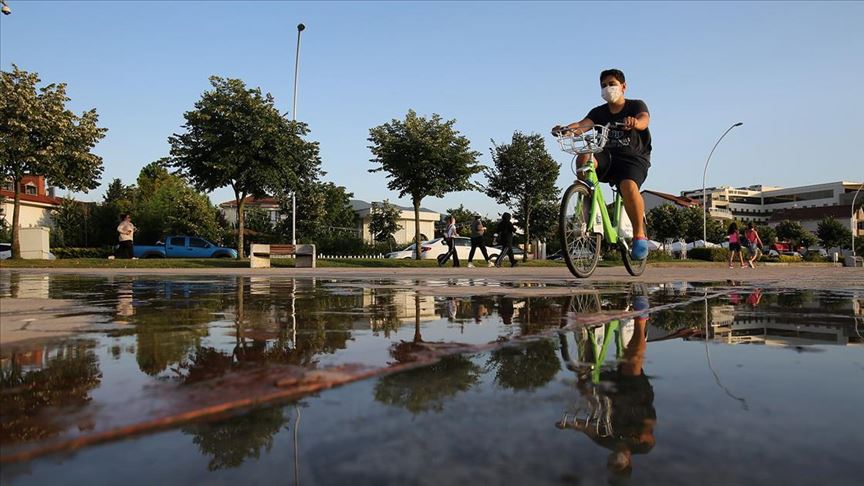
734,244
754,244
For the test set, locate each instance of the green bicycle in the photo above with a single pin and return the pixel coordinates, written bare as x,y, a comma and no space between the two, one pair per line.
584,221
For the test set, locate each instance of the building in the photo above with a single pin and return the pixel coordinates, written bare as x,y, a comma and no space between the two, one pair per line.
655,199
428,218
759,203
268,204
37,202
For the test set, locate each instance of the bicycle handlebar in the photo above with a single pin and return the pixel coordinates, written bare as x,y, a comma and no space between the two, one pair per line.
590,141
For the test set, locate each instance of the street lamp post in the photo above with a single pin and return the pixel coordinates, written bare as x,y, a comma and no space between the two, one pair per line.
300,28
854,226
704,195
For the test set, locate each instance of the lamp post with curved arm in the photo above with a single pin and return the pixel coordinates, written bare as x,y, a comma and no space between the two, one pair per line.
704,195
300,28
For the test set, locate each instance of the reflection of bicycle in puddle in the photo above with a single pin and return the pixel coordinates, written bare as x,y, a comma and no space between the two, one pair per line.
616,403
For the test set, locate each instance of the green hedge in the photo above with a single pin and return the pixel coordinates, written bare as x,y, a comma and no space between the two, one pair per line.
67,253
709,254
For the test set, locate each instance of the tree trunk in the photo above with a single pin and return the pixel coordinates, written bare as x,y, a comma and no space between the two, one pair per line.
16,216
527,213
241,223
417,228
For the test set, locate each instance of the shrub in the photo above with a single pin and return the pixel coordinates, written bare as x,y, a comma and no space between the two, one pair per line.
72,252
789,259
709,254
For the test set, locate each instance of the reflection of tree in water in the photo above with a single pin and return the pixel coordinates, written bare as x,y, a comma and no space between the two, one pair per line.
232,441
383,312
65,381
160,342
425,389
541,313
525,368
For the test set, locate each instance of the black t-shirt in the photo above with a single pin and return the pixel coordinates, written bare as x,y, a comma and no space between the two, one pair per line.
624,145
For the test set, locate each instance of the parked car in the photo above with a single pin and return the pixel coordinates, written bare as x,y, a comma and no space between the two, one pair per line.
183,247
439,247
404,254
6,252
494,251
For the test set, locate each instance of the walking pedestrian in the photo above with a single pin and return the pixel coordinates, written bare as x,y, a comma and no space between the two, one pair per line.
126,231
505,237
477,232
734,244
450,237
754,244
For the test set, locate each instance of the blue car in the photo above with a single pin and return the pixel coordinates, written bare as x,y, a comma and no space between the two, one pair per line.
183,247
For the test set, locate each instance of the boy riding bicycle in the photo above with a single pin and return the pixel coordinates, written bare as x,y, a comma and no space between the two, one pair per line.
627,156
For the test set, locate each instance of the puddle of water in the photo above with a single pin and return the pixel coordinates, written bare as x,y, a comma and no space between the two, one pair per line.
649,400
147,340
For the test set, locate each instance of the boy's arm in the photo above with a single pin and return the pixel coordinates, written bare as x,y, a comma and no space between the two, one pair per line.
576,127
639,122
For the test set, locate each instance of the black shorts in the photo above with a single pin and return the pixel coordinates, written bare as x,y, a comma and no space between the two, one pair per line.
621,170
734,246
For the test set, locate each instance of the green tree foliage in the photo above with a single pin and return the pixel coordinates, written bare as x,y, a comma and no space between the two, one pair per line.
425,389
523,177
793,232
384,221
165,204
236,137
119,199
40,136
422,157
230,442
833,233
766,234
671,221
526,368
73,223
464,218
543,224
258,221
323,212
665,222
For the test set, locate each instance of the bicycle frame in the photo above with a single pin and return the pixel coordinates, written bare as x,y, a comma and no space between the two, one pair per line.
610,229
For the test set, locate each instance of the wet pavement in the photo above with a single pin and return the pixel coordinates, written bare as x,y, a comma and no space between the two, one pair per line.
225,378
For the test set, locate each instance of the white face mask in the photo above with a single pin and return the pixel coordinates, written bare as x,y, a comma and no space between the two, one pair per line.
611,93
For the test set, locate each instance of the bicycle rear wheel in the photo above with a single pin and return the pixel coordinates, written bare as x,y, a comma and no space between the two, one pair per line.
579,243
635,267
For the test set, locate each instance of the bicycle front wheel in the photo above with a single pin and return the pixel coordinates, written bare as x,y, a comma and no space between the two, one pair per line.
634,267
579,243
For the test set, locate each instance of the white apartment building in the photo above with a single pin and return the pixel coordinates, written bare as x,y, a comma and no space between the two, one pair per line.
765,204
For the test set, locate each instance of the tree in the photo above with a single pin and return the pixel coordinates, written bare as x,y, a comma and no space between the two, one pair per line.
793,232
665,222
118,199
524,174
71,224
833,233
165,204
384,221
422,157
40,136
464,218
236,137
766,234
691,225
323,208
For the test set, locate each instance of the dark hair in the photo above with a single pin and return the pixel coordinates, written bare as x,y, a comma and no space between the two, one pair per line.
476,216
505,216
750,226
615,73
124,216
733,228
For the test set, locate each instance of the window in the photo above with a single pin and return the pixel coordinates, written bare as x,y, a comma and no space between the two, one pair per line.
178,241
198,243
30,189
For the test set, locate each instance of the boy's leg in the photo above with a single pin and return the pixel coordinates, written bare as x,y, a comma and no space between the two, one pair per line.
483,249
512,257
473,247
634,205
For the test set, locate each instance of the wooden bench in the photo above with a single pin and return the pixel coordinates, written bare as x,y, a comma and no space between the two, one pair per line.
260,255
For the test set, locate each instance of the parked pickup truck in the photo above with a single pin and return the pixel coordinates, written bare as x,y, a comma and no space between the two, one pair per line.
183,247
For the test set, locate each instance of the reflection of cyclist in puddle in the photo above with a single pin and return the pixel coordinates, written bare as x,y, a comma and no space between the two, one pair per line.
505,309
620,402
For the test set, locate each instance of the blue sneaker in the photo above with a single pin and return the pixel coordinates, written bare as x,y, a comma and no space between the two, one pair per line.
640,249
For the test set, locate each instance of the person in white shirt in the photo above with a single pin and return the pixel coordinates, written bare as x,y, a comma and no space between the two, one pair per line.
126,230
450,237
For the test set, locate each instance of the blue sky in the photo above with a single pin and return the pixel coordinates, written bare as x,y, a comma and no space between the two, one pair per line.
790,71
